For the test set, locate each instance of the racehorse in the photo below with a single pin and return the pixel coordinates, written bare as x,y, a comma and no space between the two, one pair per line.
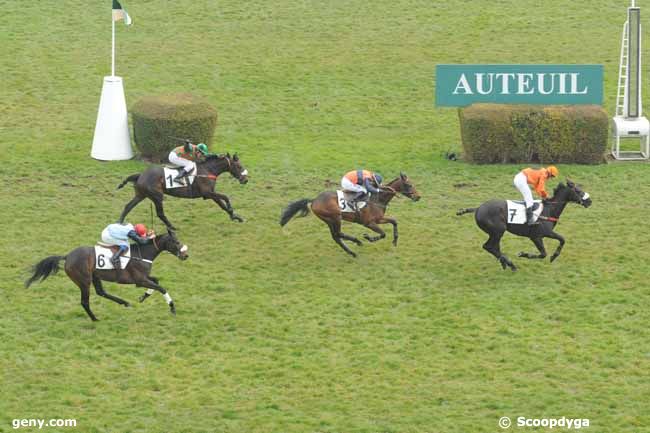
492,217
151,184
81,269
326,207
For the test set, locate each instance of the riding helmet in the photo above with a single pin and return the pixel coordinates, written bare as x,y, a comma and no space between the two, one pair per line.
140,229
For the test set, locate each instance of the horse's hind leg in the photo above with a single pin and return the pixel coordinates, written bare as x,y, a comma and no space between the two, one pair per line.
539,243
85,298
493,247
99,289
335,230
129,207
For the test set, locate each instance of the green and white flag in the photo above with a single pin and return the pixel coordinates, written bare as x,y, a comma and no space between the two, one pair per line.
119,13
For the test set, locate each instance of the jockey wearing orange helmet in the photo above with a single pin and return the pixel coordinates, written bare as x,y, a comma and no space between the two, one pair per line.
119,234
537,179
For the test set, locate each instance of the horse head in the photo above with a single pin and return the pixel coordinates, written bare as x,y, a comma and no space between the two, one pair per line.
404,186
169,242
573,192
237,170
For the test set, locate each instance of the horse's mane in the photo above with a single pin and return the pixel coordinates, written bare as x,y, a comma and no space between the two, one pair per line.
558,188
214,156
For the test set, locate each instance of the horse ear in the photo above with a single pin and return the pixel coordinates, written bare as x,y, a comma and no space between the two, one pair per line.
402,175
171,233
569,182
228,155
235,157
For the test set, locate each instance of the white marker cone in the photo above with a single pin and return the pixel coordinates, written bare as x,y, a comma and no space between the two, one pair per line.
112,141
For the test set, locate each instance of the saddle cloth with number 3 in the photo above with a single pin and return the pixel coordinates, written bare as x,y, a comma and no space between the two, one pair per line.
517,211
344,201
103,256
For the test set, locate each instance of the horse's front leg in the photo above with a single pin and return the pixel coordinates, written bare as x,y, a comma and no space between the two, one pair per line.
148,292
554,235
393,221
539,243
224,203
149,284
375,228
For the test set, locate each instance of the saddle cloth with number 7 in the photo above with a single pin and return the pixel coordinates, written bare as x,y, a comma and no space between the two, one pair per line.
517,211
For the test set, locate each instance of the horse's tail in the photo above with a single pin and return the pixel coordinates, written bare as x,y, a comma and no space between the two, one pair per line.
132,178
301,206
44,268
466,210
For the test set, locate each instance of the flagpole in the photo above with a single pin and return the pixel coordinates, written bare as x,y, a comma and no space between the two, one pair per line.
113,46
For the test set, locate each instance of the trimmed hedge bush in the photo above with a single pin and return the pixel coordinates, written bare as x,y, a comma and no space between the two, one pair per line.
156,119
495,133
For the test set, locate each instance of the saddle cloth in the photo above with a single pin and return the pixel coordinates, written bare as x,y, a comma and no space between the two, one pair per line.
517,211
344,198
172,171
103,254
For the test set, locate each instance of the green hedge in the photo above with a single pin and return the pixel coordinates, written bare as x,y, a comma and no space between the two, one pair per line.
157,119
494,133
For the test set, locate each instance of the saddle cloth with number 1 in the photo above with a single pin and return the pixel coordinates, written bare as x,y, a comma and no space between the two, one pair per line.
172,172
517,211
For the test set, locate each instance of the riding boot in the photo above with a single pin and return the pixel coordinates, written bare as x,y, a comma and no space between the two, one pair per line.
181,174
354,202
115,260
529,216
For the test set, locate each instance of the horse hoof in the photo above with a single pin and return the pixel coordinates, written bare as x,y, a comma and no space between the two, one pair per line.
127,305
367,237
521,254
142,298
553,257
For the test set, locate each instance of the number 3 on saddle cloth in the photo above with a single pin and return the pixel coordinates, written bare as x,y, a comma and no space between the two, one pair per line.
172,171
344,198
517,211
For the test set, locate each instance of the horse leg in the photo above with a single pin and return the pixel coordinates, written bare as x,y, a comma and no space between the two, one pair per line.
539,243
224,203
350,238
99,289
85,298
393,221
150,284
375,228
492,246
129,207
148,292
554,235
335,230
157,200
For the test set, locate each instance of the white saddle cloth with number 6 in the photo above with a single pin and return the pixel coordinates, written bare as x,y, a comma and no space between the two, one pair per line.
103,257
344,201
517,211
172,172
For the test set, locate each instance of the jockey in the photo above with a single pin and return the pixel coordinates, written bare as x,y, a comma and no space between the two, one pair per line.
119,234
361,182
186,155
537,179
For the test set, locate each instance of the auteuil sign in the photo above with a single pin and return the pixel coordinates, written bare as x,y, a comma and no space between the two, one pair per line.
462,85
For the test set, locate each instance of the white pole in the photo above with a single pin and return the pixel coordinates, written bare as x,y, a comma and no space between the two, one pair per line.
113,46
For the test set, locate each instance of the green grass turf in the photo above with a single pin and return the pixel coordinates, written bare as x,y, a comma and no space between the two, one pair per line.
277,329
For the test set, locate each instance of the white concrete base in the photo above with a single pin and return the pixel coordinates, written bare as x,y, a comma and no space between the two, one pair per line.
112,141
631,128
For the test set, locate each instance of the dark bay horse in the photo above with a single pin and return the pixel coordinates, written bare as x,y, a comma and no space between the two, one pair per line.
492,217
151,184
326,207
81,269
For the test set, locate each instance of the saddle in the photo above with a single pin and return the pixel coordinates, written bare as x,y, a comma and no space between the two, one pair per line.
113,248
344,198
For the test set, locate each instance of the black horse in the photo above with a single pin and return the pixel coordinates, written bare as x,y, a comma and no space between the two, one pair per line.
151,184
81,269
492,217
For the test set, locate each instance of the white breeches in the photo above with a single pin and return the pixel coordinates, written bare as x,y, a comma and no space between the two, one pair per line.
347,185
177,160
521,183
108,239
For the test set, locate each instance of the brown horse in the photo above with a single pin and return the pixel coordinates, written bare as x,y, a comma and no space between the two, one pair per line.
81,269
151,184
327,208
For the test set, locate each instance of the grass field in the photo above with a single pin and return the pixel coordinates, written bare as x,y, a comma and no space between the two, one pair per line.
277,329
